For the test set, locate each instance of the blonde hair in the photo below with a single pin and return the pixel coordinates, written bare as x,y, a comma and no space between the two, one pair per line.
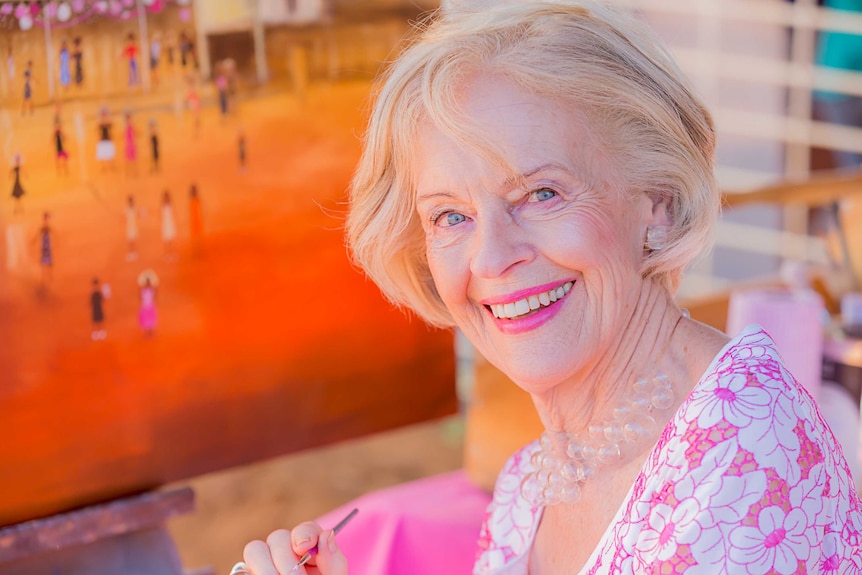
657,136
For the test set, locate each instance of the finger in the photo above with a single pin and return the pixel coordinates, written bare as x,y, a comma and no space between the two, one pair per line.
304,536
258,558
280,549
330,559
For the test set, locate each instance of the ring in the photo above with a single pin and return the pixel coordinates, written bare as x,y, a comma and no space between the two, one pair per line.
240,568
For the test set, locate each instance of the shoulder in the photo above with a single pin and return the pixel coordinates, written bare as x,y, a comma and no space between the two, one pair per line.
510,521
748,476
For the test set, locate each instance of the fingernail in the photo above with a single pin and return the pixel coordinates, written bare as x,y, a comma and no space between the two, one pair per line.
303,541
333,547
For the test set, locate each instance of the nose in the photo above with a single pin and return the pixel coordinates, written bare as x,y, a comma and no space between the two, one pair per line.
499,244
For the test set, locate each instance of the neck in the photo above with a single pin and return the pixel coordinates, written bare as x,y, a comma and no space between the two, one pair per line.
637,350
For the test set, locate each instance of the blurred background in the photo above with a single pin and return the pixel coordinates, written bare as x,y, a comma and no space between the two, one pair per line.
176,306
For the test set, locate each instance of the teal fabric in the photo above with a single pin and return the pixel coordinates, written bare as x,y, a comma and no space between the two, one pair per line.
837,49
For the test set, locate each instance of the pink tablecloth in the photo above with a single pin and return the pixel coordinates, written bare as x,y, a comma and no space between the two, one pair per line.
425,527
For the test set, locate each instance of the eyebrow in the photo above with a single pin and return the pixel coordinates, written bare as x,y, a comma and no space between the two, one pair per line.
513,181
509,182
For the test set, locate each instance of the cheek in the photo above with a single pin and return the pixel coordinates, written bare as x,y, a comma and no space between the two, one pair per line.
449,272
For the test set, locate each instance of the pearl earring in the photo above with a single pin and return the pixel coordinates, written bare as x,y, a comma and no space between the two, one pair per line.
656,238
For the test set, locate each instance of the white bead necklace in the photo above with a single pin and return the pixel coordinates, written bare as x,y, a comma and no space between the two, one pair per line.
564,460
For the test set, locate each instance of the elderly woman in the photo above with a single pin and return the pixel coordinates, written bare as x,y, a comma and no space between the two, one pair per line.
539,175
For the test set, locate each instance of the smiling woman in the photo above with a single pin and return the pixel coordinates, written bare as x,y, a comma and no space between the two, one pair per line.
539,174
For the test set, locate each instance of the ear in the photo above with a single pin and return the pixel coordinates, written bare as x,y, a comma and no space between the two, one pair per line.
659,212
653,210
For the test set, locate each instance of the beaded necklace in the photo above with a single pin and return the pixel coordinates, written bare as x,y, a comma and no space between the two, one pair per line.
564,461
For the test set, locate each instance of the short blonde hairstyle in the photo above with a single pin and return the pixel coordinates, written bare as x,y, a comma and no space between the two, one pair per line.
656,135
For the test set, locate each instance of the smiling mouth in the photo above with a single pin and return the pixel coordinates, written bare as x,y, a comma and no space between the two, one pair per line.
529,305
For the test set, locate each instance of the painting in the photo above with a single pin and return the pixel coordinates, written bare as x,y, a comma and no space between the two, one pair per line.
176,295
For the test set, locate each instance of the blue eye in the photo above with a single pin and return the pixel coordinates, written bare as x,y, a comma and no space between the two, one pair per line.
449,219
542,195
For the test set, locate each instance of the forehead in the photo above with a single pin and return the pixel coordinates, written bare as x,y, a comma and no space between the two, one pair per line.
501,127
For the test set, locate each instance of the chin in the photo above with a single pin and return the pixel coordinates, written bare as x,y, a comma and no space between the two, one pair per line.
533,378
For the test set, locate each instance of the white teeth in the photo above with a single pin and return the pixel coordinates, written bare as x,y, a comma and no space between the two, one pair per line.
528,304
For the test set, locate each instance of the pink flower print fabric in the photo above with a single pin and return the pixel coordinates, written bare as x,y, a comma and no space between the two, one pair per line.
746,478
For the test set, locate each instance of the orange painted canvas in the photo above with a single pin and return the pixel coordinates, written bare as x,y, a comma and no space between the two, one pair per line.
176,296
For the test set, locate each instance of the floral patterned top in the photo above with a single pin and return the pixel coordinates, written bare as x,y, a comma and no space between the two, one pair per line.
746,478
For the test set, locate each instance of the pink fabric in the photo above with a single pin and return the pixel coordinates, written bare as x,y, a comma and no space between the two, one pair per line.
424,527
747,478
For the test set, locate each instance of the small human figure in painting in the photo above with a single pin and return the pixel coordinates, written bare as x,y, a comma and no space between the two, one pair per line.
193,103
170,47
106,151
97,311
78,57
130,52
61,155
65,62
17,188
148,283
241,148
131,148
169,225
155,57
46,248
132,214
187,50
196,215
16,245
232,83
10,65
27,106
154,145
221,83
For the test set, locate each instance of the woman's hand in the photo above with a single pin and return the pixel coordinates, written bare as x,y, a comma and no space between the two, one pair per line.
283,549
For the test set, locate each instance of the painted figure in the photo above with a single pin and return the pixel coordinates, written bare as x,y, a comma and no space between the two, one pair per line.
155,58
131,148
196,216
170,47
46,248
106,151
10,65
169,226
17,187
154,145
221,83
27,105
241,149
16,245
61,155
187,50
131,214
148,283
130,52
193,103
65,62
97,311
78,58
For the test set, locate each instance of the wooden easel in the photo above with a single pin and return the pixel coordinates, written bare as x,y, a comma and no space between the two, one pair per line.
123,537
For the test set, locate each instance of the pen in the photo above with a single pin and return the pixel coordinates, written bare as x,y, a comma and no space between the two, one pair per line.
313,551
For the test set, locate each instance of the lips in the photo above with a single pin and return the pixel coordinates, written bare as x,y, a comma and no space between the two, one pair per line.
526,305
